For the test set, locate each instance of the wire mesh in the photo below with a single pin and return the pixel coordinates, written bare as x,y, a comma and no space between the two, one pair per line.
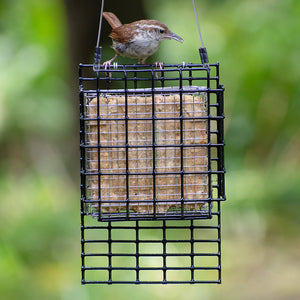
152,252
152,171
151,153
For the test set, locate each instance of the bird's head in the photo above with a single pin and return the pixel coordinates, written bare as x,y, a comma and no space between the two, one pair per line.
160,31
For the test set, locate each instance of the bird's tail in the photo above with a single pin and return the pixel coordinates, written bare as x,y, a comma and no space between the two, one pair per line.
112,19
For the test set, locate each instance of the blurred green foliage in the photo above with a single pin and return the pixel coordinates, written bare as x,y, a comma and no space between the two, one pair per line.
257,45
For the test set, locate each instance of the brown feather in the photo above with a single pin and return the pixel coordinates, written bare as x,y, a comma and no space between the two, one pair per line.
125,33
112,19
122,34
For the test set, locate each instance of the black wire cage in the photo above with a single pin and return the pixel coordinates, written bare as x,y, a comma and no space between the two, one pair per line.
152,173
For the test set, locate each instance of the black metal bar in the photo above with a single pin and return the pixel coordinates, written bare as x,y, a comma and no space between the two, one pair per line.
154,226
151,66
152,269
192,241
154,145
220,137
157,146
135,79
158,119
219,242
137,267
110,254
98,151
164,244
209,146
126,143
151,173
82,184
181,118
154,282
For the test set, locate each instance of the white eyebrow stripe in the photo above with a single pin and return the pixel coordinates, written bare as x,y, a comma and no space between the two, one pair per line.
151,26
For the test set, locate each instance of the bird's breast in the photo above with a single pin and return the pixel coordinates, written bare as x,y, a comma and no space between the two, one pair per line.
141,46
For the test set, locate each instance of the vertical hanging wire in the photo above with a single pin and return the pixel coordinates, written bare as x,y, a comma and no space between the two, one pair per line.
197,20
98,50
202,50
100,24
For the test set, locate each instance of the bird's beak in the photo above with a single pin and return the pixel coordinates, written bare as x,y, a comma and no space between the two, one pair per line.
174,36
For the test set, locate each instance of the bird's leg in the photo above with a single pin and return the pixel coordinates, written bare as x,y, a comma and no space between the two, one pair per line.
107,63
142,61
160,65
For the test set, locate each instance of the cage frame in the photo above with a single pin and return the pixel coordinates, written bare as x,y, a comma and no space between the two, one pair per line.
218,145
188,223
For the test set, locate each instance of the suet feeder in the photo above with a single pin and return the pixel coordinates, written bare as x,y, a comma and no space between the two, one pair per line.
152,172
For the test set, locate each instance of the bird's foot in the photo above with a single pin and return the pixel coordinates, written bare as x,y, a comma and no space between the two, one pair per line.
106,65
160,65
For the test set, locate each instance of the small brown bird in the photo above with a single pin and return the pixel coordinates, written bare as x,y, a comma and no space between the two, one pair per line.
138,39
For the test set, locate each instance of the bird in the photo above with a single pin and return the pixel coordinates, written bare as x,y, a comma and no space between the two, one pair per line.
139,39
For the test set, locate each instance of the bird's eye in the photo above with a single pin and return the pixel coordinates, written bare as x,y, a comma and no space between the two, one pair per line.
162,31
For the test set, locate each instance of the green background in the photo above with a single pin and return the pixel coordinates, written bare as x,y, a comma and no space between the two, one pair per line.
257,44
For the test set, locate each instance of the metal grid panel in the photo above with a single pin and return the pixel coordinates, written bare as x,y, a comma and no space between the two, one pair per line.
151,153
152,252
